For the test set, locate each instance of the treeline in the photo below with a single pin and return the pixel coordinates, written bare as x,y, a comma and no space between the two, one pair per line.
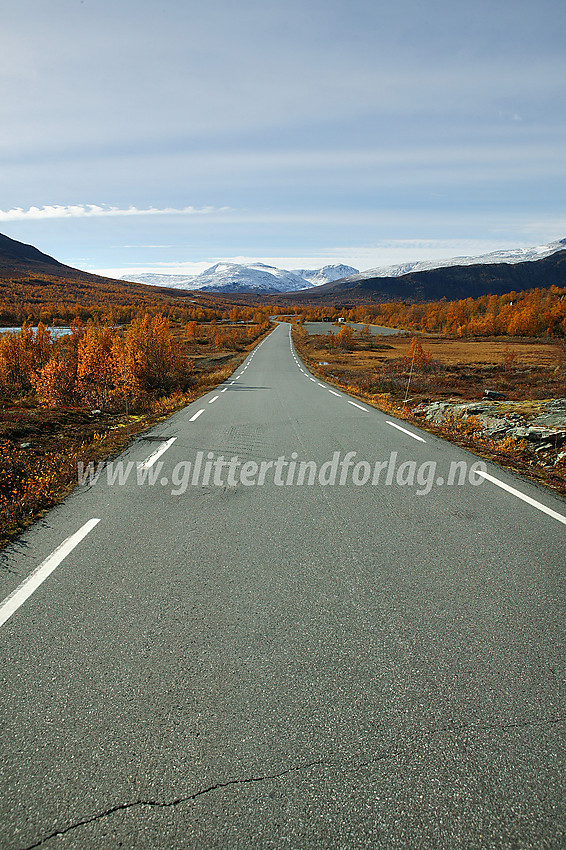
538,312
15,314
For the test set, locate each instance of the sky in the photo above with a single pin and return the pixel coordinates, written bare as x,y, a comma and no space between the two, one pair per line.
168,135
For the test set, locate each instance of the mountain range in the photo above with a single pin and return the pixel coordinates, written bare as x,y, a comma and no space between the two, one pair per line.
254,278
461,277
261,279
513,255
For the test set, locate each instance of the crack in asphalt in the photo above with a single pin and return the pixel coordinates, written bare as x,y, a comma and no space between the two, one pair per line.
121,807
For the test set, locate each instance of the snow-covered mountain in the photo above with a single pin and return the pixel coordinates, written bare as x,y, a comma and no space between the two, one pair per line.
256,277
232,277
516,255
174,281
326,274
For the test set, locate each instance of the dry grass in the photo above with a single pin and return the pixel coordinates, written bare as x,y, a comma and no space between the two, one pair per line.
458,369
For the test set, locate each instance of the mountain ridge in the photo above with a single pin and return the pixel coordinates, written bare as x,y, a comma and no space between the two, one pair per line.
450,282
20,254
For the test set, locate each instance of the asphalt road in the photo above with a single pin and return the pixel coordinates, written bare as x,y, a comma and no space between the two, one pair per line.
238,664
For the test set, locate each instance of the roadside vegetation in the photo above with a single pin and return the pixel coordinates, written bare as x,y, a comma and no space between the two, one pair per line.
420,376
84,395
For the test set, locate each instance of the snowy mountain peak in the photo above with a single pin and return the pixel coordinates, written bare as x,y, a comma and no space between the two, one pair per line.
326,274
253,277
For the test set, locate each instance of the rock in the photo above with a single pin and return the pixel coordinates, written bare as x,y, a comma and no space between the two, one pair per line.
507,424
436,411
496,427
494,394
537,435
557,419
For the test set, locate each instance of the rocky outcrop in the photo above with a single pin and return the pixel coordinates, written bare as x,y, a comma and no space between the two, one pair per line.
542,423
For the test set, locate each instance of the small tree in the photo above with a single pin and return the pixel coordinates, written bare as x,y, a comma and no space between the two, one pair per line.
416,357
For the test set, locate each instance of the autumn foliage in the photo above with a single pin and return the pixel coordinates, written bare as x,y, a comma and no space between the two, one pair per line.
538,312
95,365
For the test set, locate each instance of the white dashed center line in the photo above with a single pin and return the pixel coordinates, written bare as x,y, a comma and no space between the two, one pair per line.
149,461
358,405
17,598
404,430
197,414
213,399
538,505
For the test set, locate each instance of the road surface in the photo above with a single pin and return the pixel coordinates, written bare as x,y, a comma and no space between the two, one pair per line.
242,662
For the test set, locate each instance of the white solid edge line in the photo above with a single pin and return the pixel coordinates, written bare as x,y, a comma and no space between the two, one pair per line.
197,414
149,461
18,596
333,393
404,430
538,505
213,399
358,405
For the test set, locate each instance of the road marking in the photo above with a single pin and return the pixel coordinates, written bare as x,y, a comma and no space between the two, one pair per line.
214,399
224,390
197,414
149,461
30,584
538,505
358,405
322,385
312,379
404,430
333,393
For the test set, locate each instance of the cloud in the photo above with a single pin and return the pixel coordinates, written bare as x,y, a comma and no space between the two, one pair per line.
98,211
